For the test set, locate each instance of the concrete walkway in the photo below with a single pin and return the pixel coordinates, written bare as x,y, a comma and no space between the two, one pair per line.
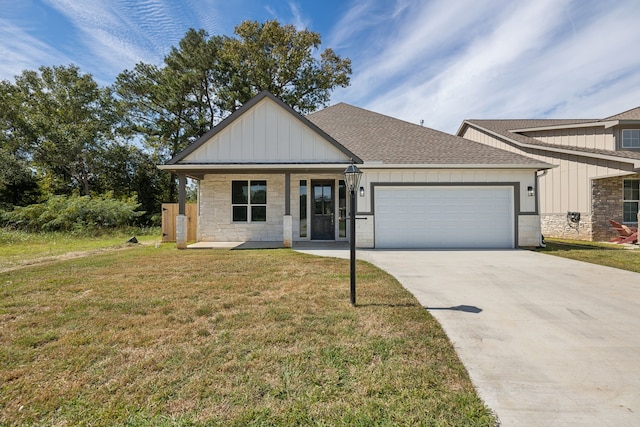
547,341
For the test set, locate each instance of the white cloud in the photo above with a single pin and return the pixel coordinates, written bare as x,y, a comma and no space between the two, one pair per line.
437,60
21,51
444,62
118,34
298,20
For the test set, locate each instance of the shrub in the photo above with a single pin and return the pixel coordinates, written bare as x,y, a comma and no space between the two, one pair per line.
74,213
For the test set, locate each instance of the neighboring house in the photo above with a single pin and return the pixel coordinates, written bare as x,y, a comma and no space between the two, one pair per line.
597,178
266,173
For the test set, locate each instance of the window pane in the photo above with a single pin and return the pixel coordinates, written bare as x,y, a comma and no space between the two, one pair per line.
303,208
342,209
258,213
327,205
631,138
630,212
258,192
240,213
239,193
631,189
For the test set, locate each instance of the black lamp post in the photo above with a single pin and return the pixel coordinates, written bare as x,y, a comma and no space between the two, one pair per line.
352,177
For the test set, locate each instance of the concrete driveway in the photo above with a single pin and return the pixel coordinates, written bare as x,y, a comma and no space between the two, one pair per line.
546,340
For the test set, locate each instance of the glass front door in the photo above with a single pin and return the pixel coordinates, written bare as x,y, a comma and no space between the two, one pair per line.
323,211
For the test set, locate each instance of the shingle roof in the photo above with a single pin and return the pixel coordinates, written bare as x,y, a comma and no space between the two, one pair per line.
506,128
633,114
376,137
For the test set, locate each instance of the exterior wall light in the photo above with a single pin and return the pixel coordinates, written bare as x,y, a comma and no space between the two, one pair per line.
530,191
361,191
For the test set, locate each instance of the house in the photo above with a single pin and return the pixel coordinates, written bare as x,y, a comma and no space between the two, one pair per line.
267,173
597,178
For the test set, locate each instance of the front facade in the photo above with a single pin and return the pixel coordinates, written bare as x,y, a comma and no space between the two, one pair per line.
597,177
267,173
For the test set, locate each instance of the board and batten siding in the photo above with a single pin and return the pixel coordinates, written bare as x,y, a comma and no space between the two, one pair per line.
597,138
266,134
564,188
447,177
528,222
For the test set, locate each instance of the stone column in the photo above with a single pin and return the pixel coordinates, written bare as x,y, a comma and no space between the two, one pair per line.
181,231
287,219
287,231
181,219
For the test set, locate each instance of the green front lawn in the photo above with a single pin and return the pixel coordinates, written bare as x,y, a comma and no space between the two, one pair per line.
23,248
610,255
157,336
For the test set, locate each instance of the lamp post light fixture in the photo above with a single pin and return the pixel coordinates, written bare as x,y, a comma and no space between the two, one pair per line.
352,177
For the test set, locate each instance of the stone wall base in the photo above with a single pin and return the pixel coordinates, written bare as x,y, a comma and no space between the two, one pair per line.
557,225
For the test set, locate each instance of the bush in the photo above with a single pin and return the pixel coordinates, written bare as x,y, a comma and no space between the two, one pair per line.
74,213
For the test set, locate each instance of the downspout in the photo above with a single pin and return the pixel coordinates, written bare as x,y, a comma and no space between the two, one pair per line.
544,172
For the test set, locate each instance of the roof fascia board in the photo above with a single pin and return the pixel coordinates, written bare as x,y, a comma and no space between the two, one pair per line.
310,166
256,166
538,166
240,111
634,162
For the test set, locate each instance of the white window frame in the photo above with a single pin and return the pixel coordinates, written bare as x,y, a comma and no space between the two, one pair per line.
632,140
625,201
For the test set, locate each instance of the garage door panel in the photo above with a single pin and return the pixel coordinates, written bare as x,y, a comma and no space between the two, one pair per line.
444,217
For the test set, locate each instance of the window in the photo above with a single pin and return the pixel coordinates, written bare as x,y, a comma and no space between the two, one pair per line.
303,208
249,201
631,197
631,138
342,209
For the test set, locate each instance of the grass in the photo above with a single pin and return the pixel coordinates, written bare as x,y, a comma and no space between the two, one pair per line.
609,255
23,248
157,336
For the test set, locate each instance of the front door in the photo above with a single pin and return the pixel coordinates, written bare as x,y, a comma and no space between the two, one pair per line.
322,211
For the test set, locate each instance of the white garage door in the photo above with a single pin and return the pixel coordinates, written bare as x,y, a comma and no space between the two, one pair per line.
444,217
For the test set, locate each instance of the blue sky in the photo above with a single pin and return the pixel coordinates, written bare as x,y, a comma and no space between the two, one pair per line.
440,61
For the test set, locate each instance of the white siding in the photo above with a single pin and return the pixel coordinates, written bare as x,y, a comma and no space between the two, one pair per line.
266,133
593,137
448,176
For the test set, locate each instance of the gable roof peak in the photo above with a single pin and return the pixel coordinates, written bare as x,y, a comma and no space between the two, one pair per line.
237,114
632,114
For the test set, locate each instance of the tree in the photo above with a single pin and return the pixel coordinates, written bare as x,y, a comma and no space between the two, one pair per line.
60,117
206,78
18,184
173,105
279,59
125,170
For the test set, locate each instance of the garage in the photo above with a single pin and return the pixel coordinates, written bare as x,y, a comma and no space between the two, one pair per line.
443,217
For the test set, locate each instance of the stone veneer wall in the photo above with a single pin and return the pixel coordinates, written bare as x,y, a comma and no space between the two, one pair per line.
607,194
607,198
556,225
214,220
528,231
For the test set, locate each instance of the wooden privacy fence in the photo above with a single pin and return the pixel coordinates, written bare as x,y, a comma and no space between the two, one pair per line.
169,213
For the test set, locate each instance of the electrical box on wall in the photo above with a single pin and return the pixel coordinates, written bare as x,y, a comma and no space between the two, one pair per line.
573,217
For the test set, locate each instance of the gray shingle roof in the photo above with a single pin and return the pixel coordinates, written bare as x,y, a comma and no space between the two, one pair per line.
633,114
376,137
506,128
